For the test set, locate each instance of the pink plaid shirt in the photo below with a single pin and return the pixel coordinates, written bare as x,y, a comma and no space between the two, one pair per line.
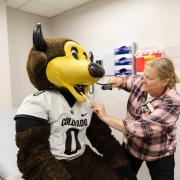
150,132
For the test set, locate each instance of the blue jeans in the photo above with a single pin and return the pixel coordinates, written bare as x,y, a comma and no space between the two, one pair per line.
162,169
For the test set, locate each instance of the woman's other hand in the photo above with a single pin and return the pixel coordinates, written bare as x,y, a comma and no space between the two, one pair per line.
116,81
111,121
99,109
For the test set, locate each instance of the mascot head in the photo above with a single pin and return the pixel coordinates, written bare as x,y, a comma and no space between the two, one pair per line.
57,63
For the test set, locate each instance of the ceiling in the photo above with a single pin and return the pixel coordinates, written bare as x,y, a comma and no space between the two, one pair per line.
47,8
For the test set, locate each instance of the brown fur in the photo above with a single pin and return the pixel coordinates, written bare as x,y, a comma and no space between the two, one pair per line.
105,143
34,157
90,166
37,61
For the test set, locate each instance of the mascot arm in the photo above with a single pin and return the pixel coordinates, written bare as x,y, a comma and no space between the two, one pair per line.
34,158
101,138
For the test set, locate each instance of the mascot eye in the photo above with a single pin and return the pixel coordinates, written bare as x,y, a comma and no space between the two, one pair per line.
85,55
91,56
74,53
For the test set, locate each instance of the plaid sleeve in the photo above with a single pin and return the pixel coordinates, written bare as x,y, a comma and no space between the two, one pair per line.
130,81
159,120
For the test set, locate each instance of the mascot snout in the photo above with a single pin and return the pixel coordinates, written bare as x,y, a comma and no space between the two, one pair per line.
96,70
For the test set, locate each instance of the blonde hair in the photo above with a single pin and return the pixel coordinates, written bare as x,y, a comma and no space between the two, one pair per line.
165,69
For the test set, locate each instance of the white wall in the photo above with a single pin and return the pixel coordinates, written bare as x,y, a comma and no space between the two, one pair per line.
5,92
102,23
20,28
16,31
8,165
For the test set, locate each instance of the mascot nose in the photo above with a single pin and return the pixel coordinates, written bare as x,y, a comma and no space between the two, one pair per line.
96,70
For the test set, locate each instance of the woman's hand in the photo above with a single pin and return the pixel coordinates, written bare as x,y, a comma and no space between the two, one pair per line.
99,109
116,81
111,121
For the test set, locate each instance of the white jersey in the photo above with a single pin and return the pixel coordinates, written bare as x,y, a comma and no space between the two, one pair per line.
68,125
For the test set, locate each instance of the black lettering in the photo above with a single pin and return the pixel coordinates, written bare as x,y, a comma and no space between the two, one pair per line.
68,145
63,122
68,121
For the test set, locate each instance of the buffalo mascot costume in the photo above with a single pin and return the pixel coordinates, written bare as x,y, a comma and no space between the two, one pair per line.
52,125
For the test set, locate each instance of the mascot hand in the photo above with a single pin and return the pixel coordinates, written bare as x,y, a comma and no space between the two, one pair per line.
125,173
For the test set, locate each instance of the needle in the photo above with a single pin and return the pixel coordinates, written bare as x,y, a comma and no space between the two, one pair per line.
85,98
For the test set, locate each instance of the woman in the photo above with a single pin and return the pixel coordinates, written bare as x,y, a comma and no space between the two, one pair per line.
152,111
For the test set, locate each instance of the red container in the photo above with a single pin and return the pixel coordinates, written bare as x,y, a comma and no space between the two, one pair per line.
139,64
